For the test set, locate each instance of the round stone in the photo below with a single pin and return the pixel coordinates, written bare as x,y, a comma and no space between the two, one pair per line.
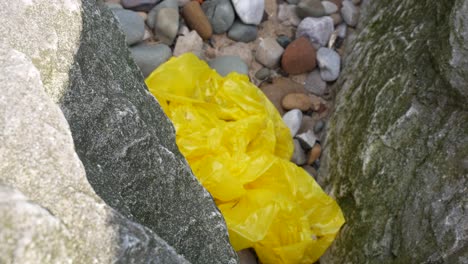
220,13
314,154
149,57
296,100
269,52
196,19
227,64
318,30
310,8
329,64
249,11
329,7
299,57
350,13
153,14
132,25
242,32
315,84
262,74
167,25
283,40
293,120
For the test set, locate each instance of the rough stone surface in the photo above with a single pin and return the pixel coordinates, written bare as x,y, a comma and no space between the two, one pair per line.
300,101
124,140
220,13
242,32
46,203
249,11
149,56
318,30
227,64
132,25
397,147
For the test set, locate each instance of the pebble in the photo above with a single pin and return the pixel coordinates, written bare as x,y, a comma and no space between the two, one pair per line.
315,84
318,30
329,7
337,19
293,120
269,52
293,2
139,5
319,126
271,8
311,170
299,56
227,64
350,13
329,63
243,50
299,157
287,15
341,30
314,154
280,87
113,5
247,256
307,139
338,3
308,123
316,102
190,42
167,25
263,73
283,40
132,25
148,56
310,8
296,101
153,14
242,32
356,2
249,11
196,19
220,13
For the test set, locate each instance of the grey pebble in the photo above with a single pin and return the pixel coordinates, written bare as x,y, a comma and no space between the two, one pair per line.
293,120
319,126
329,63
153,14
227,64
149,57
299,157
132,25
318,30
315,84
283,40
350,13
220,13
242,32
262,74
310,8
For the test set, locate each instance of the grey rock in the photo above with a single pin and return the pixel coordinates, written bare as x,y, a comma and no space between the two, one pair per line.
249,11
269,52
329,63
315,84
307,139
111,5
132,25
293,2
124,140
227,64
139,5
149,56
350,13
299,157
263,73
49,220
400,126
287,15
242,32
191,42
341,30
283,41
167,25
293,119
318,30
319,126
220,13
153,14
310,8
329,7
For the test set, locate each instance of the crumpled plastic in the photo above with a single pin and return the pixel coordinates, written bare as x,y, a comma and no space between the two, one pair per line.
239,149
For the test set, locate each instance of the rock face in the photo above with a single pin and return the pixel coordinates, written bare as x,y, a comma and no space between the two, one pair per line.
46,202
125,143
397,143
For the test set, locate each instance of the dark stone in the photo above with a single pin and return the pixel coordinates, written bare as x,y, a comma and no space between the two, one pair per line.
397,142
127,146
139,5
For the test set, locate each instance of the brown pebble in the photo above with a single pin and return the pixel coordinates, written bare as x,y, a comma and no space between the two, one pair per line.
315,101
296,100
196,19
314,153
337,19
299,57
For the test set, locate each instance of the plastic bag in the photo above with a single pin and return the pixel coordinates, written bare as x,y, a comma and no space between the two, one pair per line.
239,148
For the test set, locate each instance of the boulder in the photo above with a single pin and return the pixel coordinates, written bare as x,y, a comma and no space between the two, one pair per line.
124,140
50,213
396,149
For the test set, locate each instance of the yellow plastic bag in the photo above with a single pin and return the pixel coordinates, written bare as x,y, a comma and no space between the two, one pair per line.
239,148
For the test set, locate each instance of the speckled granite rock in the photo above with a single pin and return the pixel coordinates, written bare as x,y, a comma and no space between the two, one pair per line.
124,140
396,151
